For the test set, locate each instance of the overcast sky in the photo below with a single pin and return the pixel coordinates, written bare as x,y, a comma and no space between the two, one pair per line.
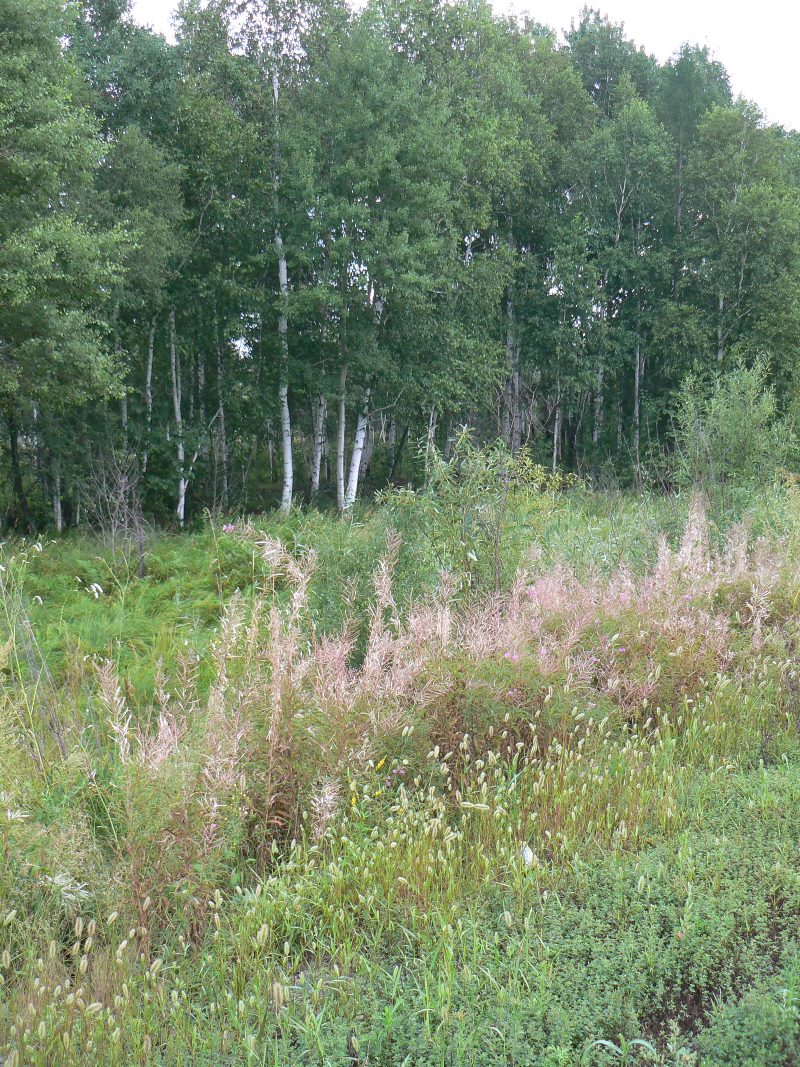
757,42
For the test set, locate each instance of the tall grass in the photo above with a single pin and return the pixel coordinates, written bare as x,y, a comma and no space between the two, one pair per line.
427,822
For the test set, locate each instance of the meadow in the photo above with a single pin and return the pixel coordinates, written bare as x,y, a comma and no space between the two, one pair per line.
507,777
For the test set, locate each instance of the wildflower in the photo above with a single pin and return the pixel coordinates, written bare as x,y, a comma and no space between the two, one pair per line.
512,657
527,855
229,527
96,590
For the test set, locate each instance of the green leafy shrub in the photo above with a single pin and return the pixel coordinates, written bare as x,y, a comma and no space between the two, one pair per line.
731,433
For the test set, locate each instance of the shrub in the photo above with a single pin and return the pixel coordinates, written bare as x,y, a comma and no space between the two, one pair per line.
730,433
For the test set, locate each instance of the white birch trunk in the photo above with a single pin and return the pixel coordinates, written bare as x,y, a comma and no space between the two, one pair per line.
283,335
175,367
340,437
430,443
58,511
148,392
124,399
283,388
366,455
358,448
319,410
223,435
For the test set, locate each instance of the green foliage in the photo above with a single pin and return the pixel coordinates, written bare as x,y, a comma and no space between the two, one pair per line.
731,432
479,225
56,264
478,508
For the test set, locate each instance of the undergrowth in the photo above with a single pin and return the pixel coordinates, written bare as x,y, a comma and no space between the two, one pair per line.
316,792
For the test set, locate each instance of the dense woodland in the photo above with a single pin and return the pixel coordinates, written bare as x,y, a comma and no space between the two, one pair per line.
265,262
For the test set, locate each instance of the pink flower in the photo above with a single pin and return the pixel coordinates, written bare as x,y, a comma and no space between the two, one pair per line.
229,527
511,656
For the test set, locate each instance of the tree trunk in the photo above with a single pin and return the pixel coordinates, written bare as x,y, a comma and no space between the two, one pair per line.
398,452
556,434
720,333
358,448
516,401
679,196
430,442
505,411
340,435
175,367
283,387
637,399
619,425
270,450
597,427
223,434
283,329
319,410
123,404
148,393
124,399
449,439
201,387
512,431
16,473
58,512
366,455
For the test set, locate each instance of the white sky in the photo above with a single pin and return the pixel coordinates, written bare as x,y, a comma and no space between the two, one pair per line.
756,42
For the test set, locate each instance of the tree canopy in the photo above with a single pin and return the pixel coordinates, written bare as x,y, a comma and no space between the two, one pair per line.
266,259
